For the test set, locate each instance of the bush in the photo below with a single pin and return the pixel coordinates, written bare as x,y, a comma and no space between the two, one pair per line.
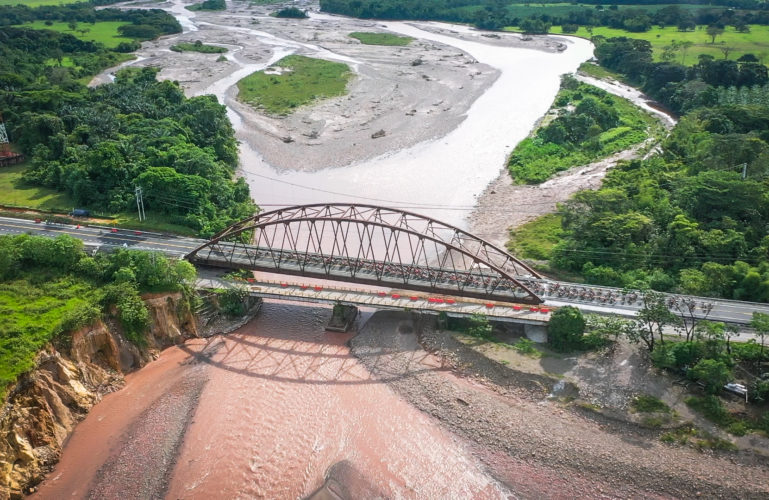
566,328
479,326
291,12
232,301
712,409
526,347
714,374
643,403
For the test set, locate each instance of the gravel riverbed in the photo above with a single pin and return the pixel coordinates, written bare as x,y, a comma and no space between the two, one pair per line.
537,446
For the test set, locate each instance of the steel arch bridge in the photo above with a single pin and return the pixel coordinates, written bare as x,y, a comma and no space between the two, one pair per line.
370,245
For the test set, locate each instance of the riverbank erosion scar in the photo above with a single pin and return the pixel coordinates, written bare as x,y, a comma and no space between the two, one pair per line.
71,376
538,447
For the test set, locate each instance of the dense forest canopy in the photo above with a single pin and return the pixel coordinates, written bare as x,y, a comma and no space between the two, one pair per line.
99,144
694,218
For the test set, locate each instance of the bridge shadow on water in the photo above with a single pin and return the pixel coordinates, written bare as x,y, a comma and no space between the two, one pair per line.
261,351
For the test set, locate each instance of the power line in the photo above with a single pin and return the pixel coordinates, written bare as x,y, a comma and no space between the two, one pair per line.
410,203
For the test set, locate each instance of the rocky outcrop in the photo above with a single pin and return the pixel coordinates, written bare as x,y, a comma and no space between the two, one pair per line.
43,407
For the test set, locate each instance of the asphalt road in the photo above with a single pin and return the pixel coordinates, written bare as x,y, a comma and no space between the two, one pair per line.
105,238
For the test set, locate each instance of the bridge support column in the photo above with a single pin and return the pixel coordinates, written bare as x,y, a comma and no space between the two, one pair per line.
536,333
342,318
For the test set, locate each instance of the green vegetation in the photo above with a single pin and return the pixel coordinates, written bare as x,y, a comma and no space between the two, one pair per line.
597,71
644,403
566,328
208,5
536,239
15,192
713,409
590,124
381,38
182,151
527,348
689,434
232,300
685,47
82,19
539,18
301,80
291,13
49,287
478,326
106,33
198,46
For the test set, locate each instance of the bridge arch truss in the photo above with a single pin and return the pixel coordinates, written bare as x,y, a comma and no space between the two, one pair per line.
370,245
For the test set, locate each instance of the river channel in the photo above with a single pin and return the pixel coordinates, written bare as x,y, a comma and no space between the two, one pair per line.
278,407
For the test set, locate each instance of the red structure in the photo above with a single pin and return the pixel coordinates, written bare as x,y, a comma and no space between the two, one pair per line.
7,157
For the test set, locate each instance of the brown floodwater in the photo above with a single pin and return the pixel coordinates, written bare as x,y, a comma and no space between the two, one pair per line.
270,411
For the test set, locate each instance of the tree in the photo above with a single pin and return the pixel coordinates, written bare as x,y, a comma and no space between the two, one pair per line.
713,31
566,328
760,323
725,50
653,317
684,46
686,308
714,374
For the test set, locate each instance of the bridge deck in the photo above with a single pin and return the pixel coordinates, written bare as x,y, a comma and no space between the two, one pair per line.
397,300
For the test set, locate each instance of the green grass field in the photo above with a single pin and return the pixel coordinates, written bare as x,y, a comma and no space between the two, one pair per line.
381,38
33,313
755,42
104,32
302,81
14,192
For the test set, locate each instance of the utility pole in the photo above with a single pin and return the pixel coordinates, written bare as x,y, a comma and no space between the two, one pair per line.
140,203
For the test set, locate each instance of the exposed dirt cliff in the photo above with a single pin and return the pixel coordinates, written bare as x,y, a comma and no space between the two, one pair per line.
42,409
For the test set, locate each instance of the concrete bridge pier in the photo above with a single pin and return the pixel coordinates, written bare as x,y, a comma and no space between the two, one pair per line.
342,318
536,333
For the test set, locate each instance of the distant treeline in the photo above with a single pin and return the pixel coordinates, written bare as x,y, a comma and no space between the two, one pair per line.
495,14
145,24
679,87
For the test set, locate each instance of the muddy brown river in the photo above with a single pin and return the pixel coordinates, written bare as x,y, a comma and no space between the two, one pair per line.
270,411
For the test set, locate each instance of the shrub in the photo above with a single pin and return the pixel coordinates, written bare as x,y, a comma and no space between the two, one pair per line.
643,403
526,347
566,328
712,409
714,374
232,301
479,326
291,12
